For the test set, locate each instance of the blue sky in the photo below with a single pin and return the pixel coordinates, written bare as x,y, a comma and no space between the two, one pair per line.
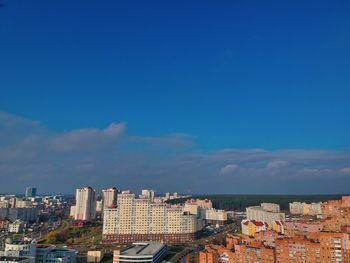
215,75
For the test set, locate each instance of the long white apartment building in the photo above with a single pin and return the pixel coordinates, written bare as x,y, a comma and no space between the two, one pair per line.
258,213
138,219
204,210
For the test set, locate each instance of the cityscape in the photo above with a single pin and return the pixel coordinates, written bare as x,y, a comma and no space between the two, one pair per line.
167,131
120,226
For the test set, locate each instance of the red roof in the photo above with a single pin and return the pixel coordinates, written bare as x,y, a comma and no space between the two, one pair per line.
257,223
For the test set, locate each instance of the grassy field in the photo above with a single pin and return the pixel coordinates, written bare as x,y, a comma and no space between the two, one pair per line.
240,202
67,235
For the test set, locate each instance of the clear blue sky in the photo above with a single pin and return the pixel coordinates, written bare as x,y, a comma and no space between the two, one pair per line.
233,74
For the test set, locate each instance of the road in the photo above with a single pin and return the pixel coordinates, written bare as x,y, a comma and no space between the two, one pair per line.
190,252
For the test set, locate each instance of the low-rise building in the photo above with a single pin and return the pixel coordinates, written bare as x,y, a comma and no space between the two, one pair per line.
94,256
251,227
258,213
146,252
52,254
8,259
16,227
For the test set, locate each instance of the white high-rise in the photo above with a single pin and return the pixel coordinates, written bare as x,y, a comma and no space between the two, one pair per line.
109,197
148,194
85,207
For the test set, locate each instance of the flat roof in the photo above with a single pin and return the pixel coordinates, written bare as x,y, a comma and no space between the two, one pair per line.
16,259
142,249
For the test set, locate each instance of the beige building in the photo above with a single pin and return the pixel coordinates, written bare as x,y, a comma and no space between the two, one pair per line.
271,207
137,219
85,207
258,213
109,197
203,208
298,208
94,256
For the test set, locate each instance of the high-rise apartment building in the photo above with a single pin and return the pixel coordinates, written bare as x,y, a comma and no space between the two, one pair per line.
109,197
148,194
139,219
85,207
30,191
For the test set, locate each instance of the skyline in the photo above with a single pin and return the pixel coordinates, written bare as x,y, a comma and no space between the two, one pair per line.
238,97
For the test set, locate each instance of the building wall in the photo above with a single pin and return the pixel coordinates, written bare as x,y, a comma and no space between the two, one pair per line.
135,218
85,207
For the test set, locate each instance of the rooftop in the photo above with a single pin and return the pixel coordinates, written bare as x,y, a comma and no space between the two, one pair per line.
142,249
14,259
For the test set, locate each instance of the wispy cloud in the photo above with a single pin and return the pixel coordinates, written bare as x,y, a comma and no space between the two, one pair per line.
276,164
229,169
31,153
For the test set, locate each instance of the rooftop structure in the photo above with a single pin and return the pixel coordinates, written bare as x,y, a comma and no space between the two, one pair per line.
141,252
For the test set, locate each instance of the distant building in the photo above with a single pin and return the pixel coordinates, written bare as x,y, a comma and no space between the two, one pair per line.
146,252
52,254
251,227
204,210
30,191
94,256
19,248
16,227
148,194
271,207
25,214
298,208
258,213
109,197
99,206
85,207
8,259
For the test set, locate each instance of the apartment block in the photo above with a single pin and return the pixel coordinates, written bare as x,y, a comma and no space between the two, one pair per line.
258,213
138,219
109,197
85,206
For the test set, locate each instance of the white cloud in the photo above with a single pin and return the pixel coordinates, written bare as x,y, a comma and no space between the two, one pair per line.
345,170
276,164
81,139
30,153
228,169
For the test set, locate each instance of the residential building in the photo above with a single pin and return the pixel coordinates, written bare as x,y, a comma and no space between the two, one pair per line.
85,207
271,207
254,253
30,191
215,254
297,249
298,208
94,256
109,197
23,214
204,210
251,227
258,213
138,219
17,226
148,194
